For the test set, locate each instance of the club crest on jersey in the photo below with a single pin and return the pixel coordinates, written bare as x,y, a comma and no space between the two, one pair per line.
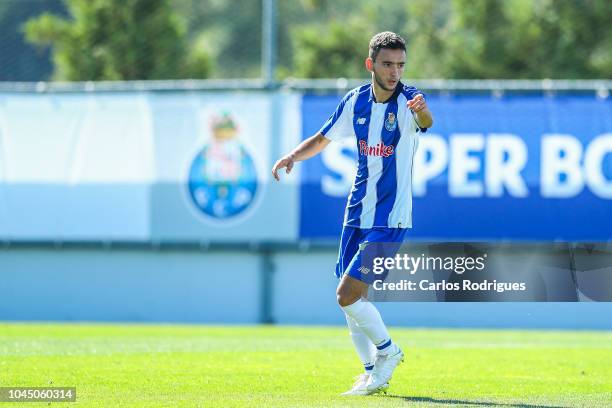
390,122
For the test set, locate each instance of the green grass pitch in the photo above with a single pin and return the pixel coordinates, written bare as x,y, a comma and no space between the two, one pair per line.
277,366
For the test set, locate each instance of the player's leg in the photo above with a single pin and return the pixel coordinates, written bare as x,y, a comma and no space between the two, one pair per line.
367,354
350,294
349,246
350,298
364,347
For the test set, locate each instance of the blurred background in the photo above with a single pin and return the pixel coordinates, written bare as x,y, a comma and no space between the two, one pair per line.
137,137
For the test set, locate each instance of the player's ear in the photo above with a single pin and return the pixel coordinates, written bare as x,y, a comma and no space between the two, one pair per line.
369,63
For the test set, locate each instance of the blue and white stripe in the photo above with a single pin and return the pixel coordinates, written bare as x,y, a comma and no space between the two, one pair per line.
382,192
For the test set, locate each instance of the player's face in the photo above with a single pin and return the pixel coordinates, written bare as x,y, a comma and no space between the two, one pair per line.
388,68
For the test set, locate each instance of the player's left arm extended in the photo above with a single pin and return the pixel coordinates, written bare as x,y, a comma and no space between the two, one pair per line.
421,112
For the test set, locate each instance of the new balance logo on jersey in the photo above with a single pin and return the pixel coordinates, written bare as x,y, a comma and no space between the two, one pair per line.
361,121
364,270
378,150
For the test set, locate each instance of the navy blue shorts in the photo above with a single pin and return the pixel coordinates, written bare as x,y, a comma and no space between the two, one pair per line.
353,243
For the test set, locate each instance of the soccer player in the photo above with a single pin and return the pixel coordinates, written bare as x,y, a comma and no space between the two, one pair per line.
385,117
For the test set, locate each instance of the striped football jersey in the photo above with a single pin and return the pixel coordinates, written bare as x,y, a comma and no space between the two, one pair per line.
386,135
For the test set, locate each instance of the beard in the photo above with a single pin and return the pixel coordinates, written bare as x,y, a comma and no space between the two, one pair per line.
381,83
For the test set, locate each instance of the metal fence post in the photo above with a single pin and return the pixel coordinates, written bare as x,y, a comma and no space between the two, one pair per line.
268,41
267,282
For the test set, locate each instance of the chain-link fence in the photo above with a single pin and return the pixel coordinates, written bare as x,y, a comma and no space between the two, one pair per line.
19,60
178,39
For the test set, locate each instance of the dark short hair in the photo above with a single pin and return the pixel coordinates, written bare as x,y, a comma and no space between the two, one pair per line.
386,39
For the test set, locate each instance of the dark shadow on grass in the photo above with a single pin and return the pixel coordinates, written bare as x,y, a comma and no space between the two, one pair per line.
475,403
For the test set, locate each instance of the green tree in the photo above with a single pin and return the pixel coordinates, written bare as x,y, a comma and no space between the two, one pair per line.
336,50
576,39
330,39
20,61
118,40
471,39
230,32
426,38
476,39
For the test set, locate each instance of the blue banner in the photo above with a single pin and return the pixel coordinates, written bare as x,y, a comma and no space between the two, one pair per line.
526,167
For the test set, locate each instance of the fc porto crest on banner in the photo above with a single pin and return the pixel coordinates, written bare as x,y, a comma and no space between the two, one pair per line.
223,180
391,122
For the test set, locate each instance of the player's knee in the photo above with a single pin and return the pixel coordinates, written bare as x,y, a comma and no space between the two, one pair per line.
345,297
342,300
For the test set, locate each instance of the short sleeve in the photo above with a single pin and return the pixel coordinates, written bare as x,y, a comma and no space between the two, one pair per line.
339,124
410,92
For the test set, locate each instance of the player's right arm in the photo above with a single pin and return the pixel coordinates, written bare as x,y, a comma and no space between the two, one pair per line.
305,150
337,126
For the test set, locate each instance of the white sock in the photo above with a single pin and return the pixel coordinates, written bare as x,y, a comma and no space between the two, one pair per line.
365,348
369,321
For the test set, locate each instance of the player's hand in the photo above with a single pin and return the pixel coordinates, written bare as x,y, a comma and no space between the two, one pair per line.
417,103
286,163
